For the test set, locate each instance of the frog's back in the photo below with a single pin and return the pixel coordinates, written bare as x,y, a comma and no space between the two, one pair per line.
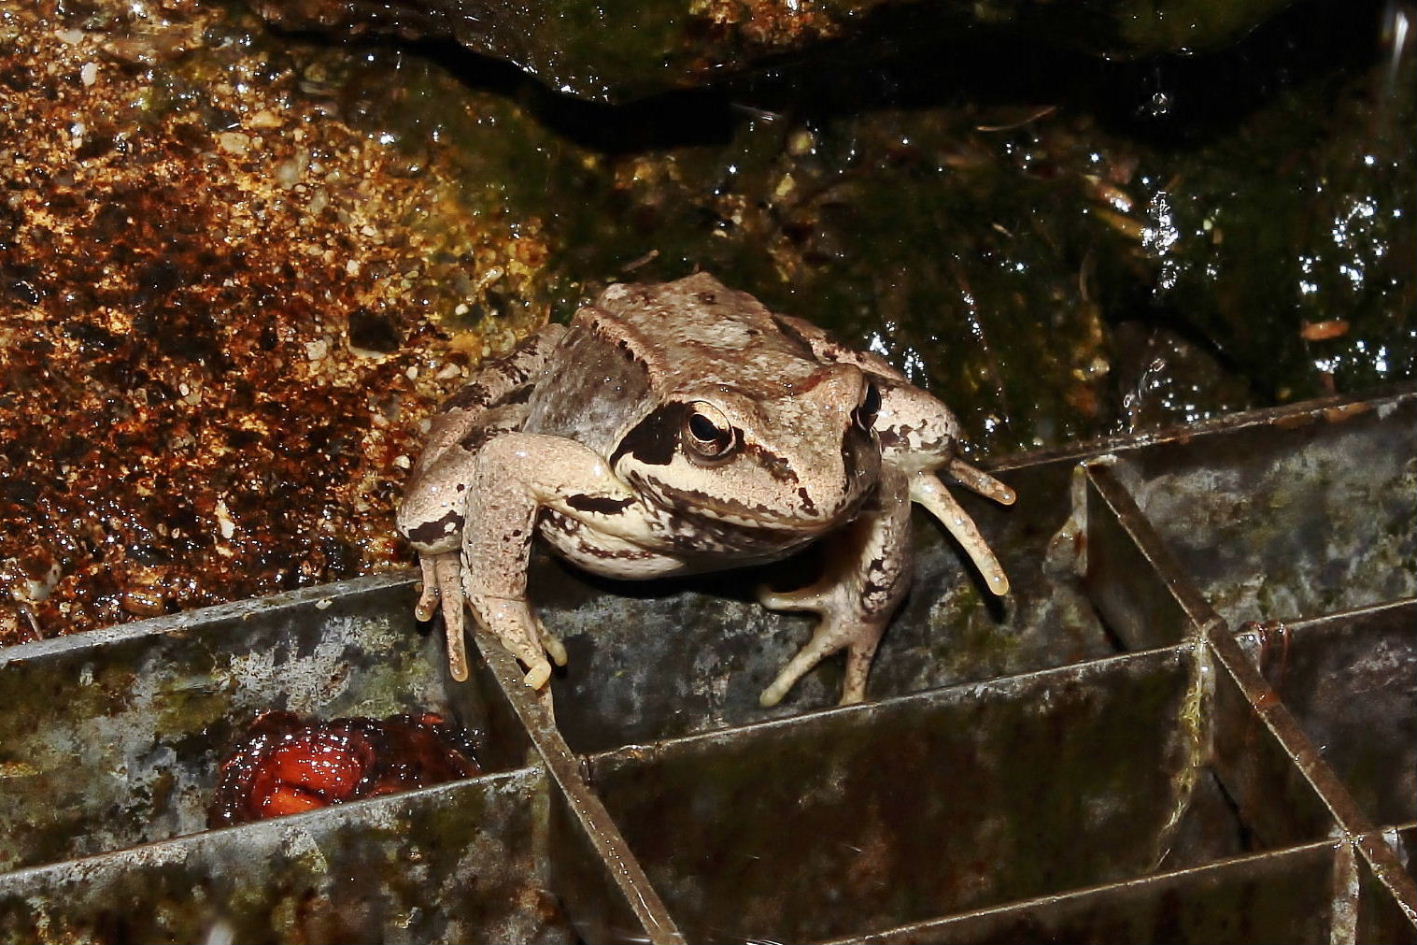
641,345
697,332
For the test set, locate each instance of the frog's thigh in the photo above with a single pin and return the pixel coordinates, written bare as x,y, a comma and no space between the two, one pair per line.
474,407
514,476
433,511
867,575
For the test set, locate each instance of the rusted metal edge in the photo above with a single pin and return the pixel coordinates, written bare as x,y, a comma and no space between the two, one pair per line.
1389,871
1325,409
1257,692
199,617
1345,616
1135,524
1374,847
176,849
623,868
907,702
921,931
1286,730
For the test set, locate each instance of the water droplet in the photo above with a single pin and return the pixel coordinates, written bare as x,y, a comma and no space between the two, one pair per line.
1160,105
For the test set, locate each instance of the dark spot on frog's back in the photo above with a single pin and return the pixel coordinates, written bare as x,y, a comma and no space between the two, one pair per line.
653,439
477,438
517,395
475,396
471,396
808,505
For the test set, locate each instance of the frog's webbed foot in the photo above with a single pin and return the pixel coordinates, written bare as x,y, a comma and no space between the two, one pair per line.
442,581
867,576
519,630
842,627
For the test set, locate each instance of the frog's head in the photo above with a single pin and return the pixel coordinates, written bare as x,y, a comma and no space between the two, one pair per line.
802,457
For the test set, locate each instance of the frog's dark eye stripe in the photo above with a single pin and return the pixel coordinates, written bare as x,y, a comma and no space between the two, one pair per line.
695,429
708,435
864,416
654,440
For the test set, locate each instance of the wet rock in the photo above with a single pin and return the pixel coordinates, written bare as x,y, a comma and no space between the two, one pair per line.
618,51
237,271
219,325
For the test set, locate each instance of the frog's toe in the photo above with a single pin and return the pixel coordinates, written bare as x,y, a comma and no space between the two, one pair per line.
428,594
453,610
531,655
859,654
538,674
859,638
553,645
773,694
813,597
457,640
825,641
936,499
427,605
442,583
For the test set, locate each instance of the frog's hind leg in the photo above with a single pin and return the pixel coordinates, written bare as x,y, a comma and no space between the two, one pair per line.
432,512
867,575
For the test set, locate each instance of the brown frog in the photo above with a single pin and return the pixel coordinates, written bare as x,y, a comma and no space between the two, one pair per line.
678,428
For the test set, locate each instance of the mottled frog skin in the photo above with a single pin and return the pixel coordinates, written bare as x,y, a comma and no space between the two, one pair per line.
678,428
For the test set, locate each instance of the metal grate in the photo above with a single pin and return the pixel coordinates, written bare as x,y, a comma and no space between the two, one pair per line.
1194,720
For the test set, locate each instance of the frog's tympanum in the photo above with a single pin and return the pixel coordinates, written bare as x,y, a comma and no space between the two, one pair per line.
680,428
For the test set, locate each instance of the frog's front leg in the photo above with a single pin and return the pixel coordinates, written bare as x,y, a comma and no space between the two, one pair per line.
515,477
867,575
920,436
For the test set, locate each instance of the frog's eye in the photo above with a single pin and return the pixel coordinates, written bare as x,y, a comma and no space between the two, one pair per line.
864,416
707,432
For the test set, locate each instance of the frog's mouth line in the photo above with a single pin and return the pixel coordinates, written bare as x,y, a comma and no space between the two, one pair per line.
694,504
